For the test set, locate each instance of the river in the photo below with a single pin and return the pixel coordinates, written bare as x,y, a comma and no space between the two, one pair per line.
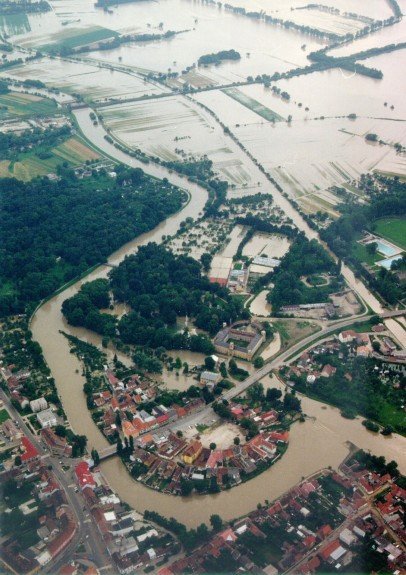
317,443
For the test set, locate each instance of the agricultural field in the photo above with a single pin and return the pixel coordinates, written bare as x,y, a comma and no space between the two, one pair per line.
273,246
72,38
29,165
93,83
253,105
176,129
15,104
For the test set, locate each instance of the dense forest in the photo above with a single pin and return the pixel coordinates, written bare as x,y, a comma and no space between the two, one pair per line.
159,287
303,259
54,230
388,197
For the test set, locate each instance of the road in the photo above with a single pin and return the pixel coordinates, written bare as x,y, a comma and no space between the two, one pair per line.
87,531
206,414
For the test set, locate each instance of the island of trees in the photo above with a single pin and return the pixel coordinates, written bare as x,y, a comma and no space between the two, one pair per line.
159,287
54,230
218,57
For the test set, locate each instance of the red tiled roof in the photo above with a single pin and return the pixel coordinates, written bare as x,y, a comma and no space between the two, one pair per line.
84,476
329,549
30,452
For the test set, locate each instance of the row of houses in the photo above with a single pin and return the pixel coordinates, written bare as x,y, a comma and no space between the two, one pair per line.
131,542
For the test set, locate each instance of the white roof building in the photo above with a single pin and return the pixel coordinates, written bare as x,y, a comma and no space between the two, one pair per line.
46,418
347,537
38,404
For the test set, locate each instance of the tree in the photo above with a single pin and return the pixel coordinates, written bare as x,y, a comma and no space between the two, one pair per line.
213,446
186,487
209,363
371,248
236,440
118,419
60,430
291,403
17,461
216,522
273,394
256,392
119,447
223,370
95,457
206,260
258,362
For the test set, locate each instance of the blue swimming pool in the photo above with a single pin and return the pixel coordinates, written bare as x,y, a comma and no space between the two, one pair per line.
387,263
386,249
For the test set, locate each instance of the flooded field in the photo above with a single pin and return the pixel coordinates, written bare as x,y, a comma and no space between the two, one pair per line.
93,83
273,246
176,129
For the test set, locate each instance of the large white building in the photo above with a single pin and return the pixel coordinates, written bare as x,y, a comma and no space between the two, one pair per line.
38,404
46,418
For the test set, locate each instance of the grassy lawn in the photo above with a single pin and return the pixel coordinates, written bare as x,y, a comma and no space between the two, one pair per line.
292,331
253,105
4,415
393,229
25,105
78,37
360,252
30,165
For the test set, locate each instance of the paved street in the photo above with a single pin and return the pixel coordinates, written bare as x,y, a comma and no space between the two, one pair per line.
87,531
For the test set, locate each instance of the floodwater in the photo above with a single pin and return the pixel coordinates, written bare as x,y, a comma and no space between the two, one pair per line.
322,439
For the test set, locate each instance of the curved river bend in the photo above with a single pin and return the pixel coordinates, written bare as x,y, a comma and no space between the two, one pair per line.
317,443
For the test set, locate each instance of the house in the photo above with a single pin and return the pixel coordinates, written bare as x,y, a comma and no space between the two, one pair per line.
57,444
363,351
328,370
347,537
84,476
209,378
192,452
30,452
332,552
347,336
46,418
38,404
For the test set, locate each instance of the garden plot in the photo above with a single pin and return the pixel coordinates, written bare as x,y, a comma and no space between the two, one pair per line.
174,129
201,237
271,245
90,81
